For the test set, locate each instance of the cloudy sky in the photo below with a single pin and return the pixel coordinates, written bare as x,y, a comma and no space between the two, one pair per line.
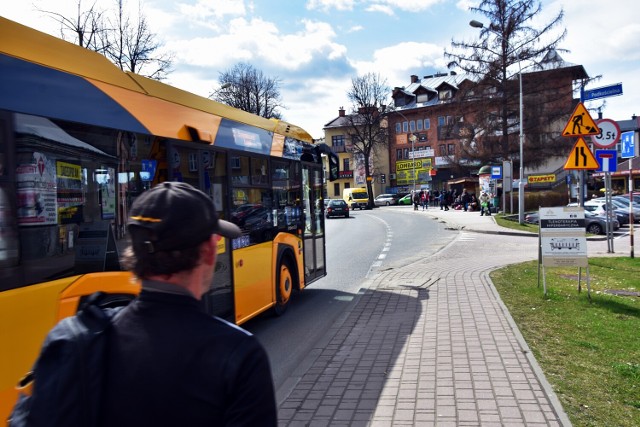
315,47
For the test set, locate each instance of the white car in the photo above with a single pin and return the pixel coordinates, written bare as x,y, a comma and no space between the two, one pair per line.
599,207
385,200
619,204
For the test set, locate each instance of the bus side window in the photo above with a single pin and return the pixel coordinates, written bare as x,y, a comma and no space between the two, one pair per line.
9,242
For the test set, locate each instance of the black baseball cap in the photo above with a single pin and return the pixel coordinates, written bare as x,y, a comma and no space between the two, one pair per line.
179,215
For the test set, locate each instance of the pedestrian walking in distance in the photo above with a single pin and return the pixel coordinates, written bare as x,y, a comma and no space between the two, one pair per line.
484,204
170,363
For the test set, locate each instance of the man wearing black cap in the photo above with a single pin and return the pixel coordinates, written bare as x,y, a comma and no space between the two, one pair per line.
170,363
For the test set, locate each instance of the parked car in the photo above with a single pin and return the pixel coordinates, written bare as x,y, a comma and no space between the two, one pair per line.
635,196
532,217
405,200
599,207
336,207
596,224
623,203
385,200
593,224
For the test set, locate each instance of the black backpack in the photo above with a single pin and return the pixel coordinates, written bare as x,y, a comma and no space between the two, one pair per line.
67,378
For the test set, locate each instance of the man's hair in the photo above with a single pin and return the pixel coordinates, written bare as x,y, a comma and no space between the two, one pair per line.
137,258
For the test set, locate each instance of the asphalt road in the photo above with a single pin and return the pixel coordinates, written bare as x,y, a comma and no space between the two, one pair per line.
386,237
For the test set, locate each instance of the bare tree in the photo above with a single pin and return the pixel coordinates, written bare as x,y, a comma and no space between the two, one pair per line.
367,123
247,88
133,47
494,61
127,42
85,28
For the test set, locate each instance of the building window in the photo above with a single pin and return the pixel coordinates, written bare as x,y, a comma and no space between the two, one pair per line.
399,154
336,189
406,153
449,120
398,127
405,127
424,97
451,149
345,164
412,126
427,124
443,149
419,125
441,121
444,94
337,141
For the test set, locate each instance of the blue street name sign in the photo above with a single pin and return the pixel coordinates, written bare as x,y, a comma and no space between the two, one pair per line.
608,160
602,92
627,145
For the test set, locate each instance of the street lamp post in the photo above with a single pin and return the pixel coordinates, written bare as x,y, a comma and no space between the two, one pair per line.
521,180
478,24
413,138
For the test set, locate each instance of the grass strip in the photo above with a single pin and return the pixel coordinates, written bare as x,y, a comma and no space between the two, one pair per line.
589,350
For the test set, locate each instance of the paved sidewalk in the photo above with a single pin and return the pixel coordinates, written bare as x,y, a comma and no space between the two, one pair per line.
426,344
430,344
472,221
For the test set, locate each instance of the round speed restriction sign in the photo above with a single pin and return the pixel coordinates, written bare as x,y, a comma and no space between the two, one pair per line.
609,134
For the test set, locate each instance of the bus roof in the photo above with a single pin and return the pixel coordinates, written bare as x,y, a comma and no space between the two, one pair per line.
135,95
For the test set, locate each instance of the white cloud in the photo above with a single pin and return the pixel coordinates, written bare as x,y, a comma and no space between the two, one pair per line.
385,6
396,63
381,8
466,4
406,5
258,39
316,103
326,5
204,10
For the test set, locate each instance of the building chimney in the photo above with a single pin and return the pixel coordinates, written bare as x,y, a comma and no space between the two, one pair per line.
414,78
341,112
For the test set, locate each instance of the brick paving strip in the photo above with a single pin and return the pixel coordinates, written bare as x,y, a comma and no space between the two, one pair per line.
426,344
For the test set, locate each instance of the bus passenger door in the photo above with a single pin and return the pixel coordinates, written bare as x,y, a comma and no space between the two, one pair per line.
206,169
314,243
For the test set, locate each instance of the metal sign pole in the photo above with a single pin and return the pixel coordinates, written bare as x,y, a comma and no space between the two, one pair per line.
631,218
609,214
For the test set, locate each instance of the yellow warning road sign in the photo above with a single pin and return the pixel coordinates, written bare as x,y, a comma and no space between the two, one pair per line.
580,123
581,157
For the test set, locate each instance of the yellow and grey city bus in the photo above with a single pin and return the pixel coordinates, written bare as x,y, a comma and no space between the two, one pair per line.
80,140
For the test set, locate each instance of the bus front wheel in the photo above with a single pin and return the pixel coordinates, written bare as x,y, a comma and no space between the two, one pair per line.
284,288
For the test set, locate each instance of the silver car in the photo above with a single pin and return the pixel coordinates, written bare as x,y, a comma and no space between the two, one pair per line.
386,200
593,224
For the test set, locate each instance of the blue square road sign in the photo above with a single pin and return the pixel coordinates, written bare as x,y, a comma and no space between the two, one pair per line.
628,145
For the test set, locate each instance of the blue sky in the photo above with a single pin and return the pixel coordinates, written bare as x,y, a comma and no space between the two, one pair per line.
315,47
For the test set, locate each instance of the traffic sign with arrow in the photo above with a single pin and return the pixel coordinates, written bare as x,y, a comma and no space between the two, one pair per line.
581,157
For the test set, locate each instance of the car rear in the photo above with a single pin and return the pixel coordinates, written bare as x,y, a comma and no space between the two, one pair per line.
337,208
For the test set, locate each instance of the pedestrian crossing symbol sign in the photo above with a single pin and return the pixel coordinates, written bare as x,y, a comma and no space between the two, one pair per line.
580,123
581,157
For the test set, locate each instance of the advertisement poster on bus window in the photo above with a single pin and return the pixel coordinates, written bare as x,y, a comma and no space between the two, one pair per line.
70,196
105,178
36,193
